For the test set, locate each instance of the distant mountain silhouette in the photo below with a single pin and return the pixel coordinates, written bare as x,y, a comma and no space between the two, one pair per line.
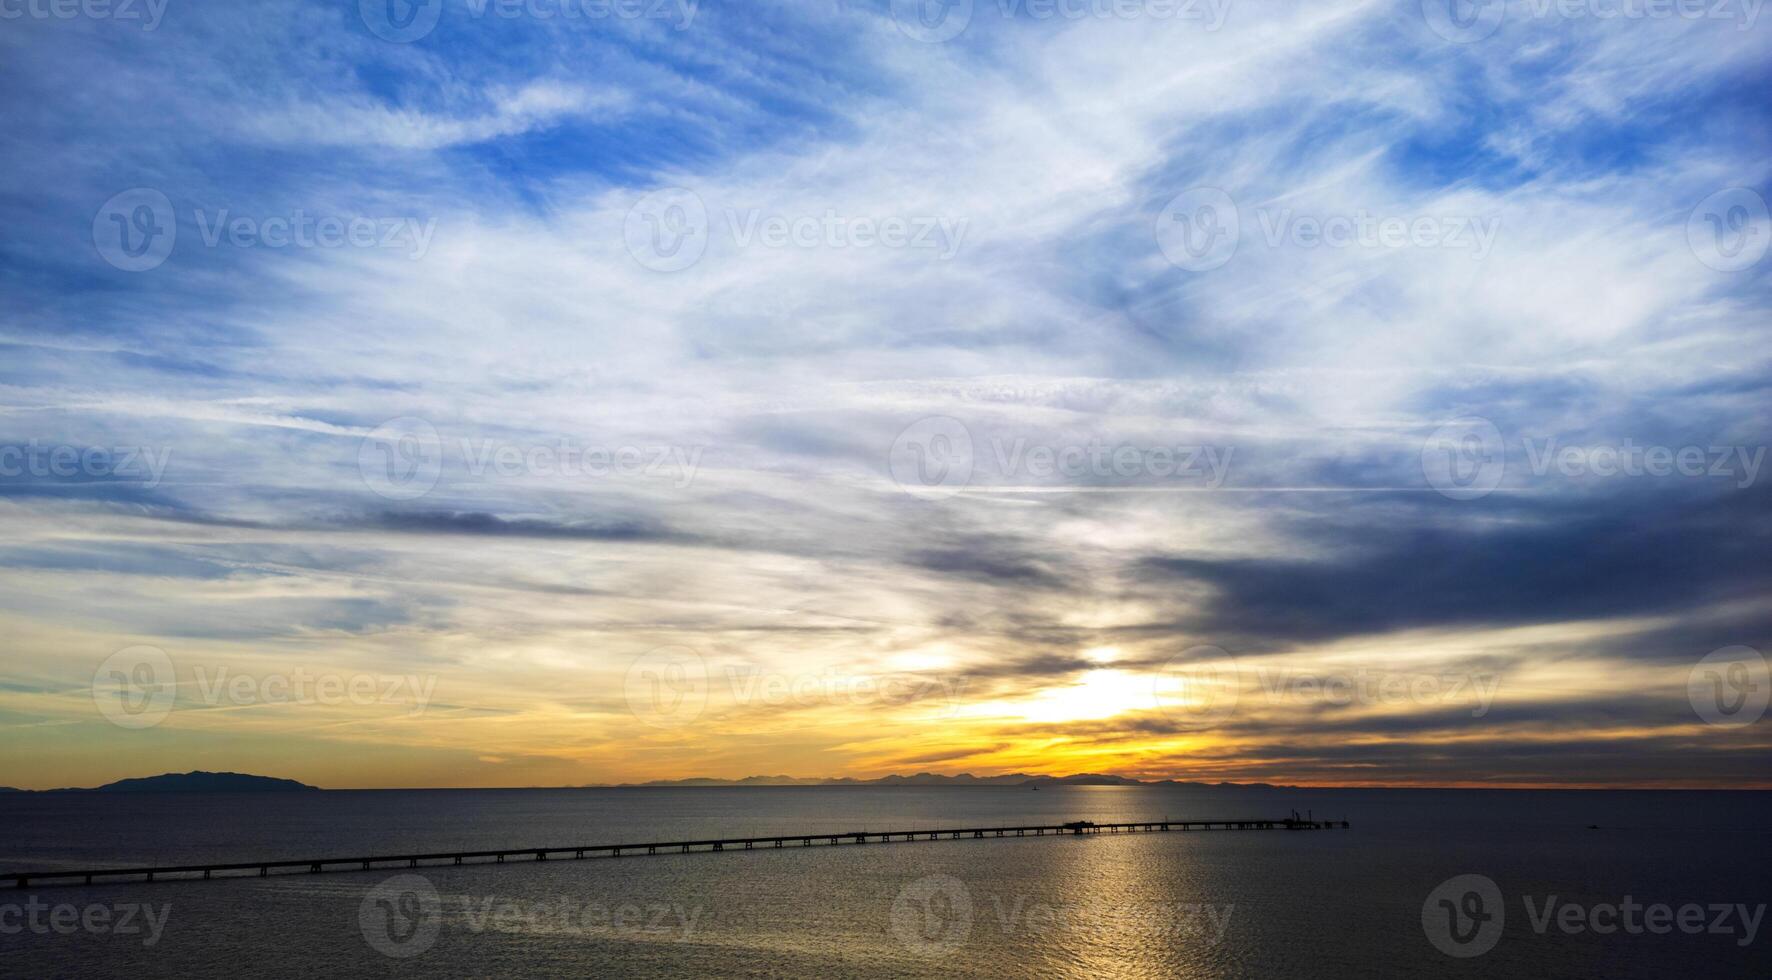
935,779
196,782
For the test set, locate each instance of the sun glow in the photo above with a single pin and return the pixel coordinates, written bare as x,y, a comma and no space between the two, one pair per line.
1098,694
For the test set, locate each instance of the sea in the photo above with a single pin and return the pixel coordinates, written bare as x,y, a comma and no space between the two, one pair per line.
1422,883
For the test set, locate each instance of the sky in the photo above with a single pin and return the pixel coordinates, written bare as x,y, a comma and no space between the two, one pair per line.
473,393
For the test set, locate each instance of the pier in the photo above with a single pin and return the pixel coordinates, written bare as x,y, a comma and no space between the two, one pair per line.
385,862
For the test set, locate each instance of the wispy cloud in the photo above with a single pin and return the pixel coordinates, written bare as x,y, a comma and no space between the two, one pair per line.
727,337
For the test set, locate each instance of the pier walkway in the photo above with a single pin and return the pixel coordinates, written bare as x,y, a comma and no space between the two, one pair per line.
26,879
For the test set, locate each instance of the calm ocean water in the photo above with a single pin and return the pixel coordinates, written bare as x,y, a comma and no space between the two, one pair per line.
1366,902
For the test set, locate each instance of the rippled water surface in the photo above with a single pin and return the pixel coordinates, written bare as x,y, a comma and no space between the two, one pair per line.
1210,904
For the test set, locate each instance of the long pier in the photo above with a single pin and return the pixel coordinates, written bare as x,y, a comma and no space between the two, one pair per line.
265,869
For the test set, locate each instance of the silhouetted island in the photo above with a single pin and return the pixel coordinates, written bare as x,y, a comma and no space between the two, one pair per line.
196,781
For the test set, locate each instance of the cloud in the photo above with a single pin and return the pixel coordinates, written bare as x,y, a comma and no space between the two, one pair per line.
1541,563
1039,155
369,125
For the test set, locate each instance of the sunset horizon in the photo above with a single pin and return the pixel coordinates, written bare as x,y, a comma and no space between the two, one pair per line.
1200,488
